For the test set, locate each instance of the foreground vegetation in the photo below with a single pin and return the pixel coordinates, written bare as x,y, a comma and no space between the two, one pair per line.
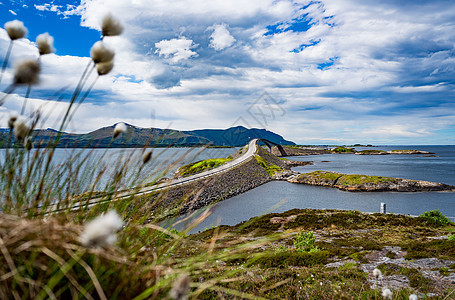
309,254
337,263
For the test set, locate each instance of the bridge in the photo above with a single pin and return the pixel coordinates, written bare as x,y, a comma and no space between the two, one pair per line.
246,156
270,144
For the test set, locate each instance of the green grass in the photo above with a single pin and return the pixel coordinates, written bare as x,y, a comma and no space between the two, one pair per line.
343,150
272,169
201,166
319,175
356,179
435,217
372,151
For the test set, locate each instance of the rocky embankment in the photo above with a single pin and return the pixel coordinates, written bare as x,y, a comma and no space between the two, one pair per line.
365,183
281,151
189,197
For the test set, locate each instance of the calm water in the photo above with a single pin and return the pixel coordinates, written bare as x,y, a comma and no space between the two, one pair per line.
105,163
282,196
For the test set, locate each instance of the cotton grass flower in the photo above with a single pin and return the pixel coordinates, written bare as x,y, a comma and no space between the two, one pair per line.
119,129
111,26
181,288
100,232
21,128
45,43
104,68
15,29
101,53
413,297
387,293
27,72
377,273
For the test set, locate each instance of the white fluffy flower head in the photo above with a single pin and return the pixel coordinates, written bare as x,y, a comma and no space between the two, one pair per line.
101,53
104,68
27,72
100,232
181,288
377,273
15,29
413,297
111,26
21,128
45,43
119,128
387,293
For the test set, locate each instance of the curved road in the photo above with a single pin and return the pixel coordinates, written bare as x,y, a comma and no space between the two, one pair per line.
252,148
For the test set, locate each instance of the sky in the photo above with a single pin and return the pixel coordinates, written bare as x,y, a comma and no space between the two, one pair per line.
315,72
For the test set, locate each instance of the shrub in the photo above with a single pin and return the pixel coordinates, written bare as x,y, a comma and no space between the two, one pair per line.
304,242
435,218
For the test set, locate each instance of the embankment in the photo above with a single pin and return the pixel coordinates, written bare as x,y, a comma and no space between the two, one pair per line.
247,176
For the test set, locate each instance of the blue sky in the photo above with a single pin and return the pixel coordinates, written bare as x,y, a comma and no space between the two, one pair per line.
335,71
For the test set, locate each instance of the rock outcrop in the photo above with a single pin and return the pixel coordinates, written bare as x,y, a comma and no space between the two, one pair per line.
409,152
365,183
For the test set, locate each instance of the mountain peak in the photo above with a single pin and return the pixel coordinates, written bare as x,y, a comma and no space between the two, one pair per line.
155,137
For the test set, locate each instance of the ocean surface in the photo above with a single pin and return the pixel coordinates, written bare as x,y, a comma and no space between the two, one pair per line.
86,166
280,196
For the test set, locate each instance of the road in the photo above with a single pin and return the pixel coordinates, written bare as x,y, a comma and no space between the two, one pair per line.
252,148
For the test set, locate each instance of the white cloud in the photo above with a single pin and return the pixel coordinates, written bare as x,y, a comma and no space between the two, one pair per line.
356,64
69,10
48,7
13,12
221,37
176,49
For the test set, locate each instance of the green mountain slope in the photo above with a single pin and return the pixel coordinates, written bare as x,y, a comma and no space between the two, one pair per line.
151,137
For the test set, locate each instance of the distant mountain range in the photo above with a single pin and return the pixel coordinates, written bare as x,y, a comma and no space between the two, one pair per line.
152,137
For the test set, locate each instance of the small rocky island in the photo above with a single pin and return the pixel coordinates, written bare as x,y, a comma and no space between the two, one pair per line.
365,183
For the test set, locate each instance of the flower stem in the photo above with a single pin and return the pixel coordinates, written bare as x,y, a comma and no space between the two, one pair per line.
27,94
5,62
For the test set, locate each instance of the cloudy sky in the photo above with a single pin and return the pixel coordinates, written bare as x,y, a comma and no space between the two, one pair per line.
316,72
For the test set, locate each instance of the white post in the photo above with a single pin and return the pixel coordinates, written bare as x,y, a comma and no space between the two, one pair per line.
383,208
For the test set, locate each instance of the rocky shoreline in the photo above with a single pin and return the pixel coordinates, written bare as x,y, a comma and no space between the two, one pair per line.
381,152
